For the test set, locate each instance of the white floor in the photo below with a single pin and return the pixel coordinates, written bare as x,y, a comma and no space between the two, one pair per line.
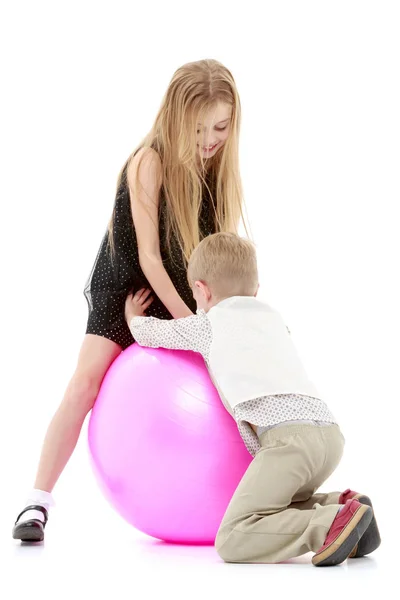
112,560
90,552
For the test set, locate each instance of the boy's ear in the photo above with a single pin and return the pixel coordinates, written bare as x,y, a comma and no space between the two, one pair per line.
203,287
258,287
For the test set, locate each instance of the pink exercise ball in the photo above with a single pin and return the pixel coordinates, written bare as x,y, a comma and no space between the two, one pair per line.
165,451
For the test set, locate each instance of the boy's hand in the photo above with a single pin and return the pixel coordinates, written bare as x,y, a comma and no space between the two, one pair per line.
136,305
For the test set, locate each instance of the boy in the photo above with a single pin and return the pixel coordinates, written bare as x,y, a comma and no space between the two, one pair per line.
274,514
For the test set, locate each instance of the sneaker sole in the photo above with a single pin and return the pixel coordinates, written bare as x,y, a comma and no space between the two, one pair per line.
340,549
371,540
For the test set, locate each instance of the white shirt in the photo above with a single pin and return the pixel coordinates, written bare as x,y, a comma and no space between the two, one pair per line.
250,357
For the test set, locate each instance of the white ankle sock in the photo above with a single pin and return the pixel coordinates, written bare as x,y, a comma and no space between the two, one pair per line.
40,497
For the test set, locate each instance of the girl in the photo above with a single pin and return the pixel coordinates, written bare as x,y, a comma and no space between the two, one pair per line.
180,186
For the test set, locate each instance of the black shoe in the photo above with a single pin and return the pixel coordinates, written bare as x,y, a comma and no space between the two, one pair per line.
32,530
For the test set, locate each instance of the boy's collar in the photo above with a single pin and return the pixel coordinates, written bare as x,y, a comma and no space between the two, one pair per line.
226,302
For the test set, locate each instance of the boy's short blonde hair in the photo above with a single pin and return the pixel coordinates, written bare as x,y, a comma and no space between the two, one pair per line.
227,263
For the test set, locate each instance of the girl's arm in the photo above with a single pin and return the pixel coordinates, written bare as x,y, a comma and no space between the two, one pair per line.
145,180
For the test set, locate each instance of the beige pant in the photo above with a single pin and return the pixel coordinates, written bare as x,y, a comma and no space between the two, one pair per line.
274,513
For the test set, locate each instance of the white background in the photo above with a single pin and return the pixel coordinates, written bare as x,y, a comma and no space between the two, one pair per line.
319,84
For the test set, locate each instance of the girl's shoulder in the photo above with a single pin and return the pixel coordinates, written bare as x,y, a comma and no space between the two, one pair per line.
145,164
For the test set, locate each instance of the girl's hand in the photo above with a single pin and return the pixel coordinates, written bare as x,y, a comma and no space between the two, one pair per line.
136,305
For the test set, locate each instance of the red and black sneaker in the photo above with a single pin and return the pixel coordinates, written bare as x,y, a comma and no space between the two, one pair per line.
346,531
371,540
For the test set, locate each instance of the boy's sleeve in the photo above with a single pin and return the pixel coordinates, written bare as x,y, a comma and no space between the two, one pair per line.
190,333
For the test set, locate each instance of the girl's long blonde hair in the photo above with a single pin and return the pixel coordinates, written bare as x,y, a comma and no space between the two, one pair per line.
195,89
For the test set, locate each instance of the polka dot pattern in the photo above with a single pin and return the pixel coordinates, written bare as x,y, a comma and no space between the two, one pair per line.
274,410
114,276
190,333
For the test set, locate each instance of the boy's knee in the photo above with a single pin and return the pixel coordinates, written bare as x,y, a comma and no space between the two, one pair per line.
223,545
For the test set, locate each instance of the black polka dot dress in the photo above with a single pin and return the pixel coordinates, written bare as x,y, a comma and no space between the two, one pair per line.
115,275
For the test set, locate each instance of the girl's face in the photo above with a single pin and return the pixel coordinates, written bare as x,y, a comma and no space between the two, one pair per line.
213,132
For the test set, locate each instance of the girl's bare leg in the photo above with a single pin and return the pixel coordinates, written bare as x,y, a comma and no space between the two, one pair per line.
95,357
